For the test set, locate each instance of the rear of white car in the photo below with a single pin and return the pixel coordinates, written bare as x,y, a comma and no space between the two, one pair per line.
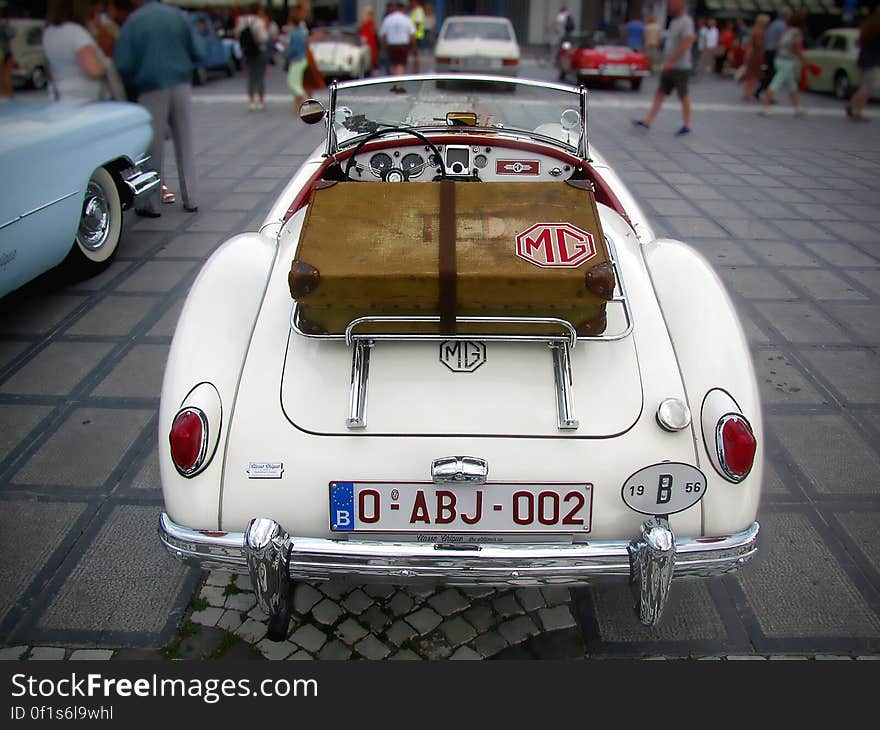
477,44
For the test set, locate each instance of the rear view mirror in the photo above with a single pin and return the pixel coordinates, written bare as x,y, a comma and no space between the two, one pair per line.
311,111
461,119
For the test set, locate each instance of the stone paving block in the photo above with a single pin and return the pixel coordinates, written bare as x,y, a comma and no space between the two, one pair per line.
798,590
723,251
113,316
241,602
17,520
309,637
57,369
92,440
748,228
46,653
841,254
275,650
327,612
698,192
350,631
216,223
862,319
861,527
304,598
448,602
238,201
91,655
556,594
480,617
257,614
382,592
10,350
457,631
433,647
768,209
256,185
147,477
375,618
867,279
479,591
400,632
801,323
214,595
518,629
820,212
852,231
755,283
99,594
657,191
556,618
465,653
400,604
138,375
191,245
16,422
371,648
789,195
531,599
157,276
822,284
335,589
300,656
167,323
696,227
251,631
782,381
833,455
690,615
242,582
673,207
854,373
13,653
786,658
424,620
803,230
406,654
334,650
357,602
208,617
230,621
506,605
39,315
783,253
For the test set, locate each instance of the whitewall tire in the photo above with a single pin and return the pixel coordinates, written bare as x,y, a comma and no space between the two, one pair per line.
100,223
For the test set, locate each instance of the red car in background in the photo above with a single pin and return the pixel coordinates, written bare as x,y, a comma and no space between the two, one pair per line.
588,57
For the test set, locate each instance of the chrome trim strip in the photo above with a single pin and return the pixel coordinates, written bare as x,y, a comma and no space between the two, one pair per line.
313,558
360,375
565,416
37,210
477,78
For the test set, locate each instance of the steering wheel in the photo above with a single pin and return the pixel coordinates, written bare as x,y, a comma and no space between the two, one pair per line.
380,133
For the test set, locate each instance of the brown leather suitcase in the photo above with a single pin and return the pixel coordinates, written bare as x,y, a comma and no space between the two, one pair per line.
453,249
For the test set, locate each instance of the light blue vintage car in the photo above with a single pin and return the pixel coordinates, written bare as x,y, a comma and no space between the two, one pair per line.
67,171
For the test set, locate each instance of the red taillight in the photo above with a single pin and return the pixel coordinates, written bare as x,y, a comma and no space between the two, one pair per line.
736,446
189,438
441,59
510,62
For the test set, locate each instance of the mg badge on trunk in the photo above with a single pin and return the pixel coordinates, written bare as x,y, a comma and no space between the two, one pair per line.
462,356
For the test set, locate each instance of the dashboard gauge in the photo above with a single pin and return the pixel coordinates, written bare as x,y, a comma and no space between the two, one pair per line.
395,175
481,161
381,162
412,165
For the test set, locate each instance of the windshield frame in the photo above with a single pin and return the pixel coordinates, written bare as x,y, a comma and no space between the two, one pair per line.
579,97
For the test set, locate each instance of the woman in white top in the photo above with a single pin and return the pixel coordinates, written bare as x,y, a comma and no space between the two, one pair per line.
76,64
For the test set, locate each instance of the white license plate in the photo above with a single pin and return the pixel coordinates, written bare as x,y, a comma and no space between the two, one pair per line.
616,70
459,508
478,62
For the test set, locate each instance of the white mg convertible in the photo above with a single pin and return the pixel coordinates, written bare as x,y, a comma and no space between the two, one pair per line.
358,418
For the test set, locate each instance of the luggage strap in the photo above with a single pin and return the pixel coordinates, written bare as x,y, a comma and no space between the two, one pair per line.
448,276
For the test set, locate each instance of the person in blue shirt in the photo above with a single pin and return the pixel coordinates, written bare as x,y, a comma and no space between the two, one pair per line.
156,51
635,30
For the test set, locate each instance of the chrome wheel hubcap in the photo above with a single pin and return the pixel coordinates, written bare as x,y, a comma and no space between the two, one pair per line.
94,225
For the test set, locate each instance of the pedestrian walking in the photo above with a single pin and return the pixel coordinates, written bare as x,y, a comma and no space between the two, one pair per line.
252,34
430,25
367,33
789,57
710,49
771,41
295,55
676,67
157,49
651,37
869,66
635,33
6,60
754,57
726,38
77,66
397,32
698,47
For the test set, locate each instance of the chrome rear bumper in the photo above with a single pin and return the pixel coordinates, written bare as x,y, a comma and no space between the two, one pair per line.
273,557
138,180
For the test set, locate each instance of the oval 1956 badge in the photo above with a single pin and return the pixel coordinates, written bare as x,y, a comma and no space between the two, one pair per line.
664,489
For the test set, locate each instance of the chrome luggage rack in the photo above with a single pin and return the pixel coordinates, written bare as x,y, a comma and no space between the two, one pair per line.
560,346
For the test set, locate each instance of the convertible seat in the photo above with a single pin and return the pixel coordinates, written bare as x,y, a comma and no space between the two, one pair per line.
453,249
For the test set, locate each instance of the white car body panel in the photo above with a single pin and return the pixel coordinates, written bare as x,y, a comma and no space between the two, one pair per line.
476,55
341,59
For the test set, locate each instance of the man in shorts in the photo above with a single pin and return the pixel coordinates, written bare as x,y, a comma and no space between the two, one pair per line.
397,33
677,66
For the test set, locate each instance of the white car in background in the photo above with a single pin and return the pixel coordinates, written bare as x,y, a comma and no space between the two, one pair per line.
477,44
339,53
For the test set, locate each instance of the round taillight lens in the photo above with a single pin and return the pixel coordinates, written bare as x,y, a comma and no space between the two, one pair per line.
189,440
736,446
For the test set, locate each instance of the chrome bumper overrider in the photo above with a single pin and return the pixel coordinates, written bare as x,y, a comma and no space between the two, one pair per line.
138,180
273,558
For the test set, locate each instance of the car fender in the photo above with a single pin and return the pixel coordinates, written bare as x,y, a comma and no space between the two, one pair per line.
210,345
712,353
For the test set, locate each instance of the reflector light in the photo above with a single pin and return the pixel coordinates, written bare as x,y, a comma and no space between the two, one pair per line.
736,446
189,440
510,61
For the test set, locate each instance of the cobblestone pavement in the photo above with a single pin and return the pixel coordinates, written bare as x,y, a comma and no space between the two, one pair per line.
786,209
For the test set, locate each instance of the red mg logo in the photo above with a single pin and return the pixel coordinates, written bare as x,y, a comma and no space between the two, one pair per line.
555,245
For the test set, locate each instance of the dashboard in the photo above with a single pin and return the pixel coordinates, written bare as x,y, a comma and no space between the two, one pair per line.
417,162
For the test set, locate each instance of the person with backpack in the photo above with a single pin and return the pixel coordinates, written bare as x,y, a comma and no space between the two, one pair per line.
252,33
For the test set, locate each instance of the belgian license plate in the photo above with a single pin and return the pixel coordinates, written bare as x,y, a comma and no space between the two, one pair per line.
618,70
459,508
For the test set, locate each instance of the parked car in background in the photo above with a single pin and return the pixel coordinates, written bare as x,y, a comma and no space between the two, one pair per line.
30,65
835,54
589,58
76,168
218,52
339,53
477,44
380,382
